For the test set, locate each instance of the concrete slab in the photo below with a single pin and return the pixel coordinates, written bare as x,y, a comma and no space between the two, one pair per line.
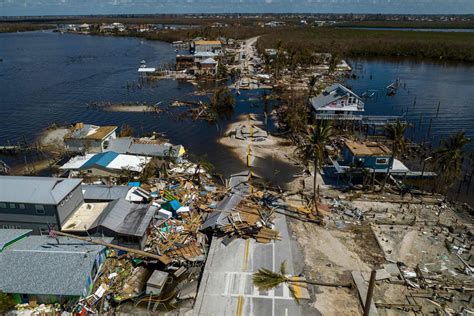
362,288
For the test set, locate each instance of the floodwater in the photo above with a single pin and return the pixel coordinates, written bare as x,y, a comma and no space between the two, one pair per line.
424,86
436,98
48,77
412,29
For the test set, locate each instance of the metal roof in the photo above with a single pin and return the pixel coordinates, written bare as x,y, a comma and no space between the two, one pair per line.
35,190
223,209
332,94
101,159
128,145
366,149
104,192
89,131
107,160
8,236
205,54
209,61
127,218
39,265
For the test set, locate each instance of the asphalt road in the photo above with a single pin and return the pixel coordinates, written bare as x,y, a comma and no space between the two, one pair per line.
226,287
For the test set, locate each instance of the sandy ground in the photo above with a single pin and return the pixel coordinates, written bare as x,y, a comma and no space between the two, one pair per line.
129,108
262,146
53,137
330,256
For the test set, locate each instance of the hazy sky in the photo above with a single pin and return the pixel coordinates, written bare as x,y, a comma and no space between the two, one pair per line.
62,7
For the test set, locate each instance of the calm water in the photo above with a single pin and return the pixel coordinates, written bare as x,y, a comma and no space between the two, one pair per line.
412,29
430,84
47,77
424,85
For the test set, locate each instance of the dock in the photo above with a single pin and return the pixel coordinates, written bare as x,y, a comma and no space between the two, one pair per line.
373,120
18,149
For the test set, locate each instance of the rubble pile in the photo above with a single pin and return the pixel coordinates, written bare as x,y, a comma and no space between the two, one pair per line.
427,249
191,209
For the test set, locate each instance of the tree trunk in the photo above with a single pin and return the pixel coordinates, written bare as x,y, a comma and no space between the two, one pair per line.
315,178
390,164
312,282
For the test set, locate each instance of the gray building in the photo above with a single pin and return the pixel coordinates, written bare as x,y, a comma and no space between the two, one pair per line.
144,147
337,102
128,223
47,270
34,202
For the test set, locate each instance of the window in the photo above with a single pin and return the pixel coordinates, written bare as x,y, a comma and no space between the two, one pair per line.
21,206
12,205
3,205
39,209
381,161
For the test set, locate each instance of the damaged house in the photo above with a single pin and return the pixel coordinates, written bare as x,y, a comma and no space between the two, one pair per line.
88,138
128,223
337,102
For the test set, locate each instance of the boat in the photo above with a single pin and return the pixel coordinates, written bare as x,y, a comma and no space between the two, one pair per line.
393,87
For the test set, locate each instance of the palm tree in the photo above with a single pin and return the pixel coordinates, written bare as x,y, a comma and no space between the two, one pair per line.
396,133
267,61
313,149
448,158
265,279
311,84
335,60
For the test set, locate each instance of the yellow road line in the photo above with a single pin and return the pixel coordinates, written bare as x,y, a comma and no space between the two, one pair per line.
240,306
246,255
296,286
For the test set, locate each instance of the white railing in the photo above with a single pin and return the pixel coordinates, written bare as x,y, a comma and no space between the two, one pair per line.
338,117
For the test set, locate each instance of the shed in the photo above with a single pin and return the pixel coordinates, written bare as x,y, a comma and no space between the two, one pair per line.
127,222
156,282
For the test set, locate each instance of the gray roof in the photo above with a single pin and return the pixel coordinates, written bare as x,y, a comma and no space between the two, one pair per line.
39,265
36,190
223,209
127,218
328,97
128,145
8,236
104,192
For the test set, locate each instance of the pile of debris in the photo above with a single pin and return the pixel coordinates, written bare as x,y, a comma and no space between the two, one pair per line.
191,209
427,250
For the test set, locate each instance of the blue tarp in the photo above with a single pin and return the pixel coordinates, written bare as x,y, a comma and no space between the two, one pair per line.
171,206
102,160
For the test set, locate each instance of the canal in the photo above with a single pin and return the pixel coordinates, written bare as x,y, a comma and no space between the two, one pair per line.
48,77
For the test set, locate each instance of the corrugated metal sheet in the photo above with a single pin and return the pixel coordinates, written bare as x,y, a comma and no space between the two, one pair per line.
104,192
127,218
35,190
102,160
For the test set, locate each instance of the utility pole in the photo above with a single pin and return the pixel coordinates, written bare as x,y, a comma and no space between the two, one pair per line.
370,293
